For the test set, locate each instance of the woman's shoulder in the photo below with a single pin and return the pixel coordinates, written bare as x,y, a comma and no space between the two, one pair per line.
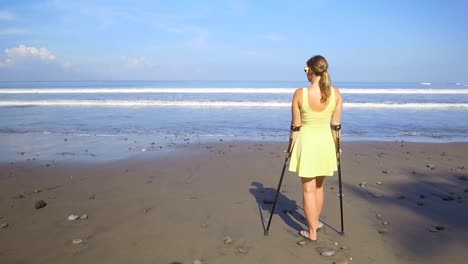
298,92
337,92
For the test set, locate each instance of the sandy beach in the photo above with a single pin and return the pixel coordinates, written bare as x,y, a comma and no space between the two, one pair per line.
403,203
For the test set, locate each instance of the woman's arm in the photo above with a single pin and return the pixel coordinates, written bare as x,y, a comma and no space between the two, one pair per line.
296,116
336,116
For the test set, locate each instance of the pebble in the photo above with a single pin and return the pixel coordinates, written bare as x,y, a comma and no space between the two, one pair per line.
77,241
143,150
422,196
383,231
4,225
386,171
343,248
52,197
241,250
302,243
363,184
379,216
385,223
430,166
341,262
84,216
227,240
72,217
327,253
464,178
40,204
197,261
203,226
19,196
37,191
336,243
379,183
92,197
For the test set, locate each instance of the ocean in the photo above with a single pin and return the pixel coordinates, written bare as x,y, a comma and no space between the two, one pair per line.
171,112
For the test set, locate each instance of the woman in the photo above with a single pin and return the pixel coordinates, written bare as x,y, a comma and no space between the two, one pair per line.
313,153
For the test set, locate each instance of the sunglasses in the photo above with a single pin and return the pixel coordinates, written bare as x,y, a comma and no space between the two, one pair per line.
306,69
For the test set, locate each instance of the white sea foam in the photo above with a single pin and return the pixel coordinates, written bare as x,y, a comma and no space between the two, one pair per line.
218,104
226,90
426,83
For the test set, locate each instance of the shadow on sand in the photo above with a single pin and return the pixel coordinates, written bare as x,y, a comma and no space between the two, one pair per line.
286,208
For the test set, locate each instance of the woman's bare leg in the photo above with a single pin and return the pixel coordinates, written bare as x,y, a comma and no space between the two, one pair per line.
310,205
319,196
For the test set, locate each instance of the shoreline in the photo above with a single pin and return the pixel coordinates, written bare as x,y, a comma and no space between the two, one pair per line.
179,208
103,149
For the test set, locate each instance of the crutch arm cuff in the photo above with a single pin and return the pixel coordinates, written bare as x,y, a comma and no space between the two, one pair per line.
336,127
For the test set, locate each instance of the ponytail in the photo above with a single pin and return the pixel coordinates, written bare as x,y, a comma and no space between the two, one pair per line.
319,65
325,86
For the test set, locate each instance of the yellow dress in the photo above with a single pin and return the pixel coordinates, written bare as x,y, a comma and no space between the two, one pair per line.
314,152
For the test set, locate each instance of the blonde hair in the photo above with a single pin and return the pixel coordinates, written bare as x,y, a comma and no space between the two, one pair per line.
319,66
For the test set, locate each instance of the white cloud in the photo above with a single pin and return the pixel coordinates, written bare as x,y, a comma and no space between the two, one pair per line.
5,15
273,37
25,51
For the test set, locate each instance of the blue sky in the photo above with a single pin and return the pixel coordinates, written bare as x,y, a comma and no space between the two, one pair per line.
418,40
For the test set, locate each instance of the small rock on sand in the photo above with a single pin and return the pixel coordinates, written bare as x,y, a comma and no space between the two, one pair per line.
84,216
40,204
143,150
227,240
386,171
363,184
92,197
327,253
377,195
241,250
385,223
72,217
379,183
19,196
379,216
341,262
77,241
4,225
302,243
383,231
430,166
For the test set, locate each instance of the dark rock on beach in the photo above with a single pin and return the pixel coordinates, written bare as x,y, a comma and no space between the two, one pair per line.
40,204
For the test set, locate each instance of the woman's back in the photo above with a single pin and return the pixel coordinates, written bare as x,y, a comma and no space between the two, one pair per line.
313,112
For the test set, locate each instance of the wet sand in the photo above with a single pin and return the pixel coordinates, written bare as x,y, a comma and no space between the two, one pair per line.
178,207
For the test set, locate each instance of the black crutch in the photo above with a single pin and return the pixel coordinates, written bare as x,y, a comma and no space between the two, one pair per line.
337,129
279,187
